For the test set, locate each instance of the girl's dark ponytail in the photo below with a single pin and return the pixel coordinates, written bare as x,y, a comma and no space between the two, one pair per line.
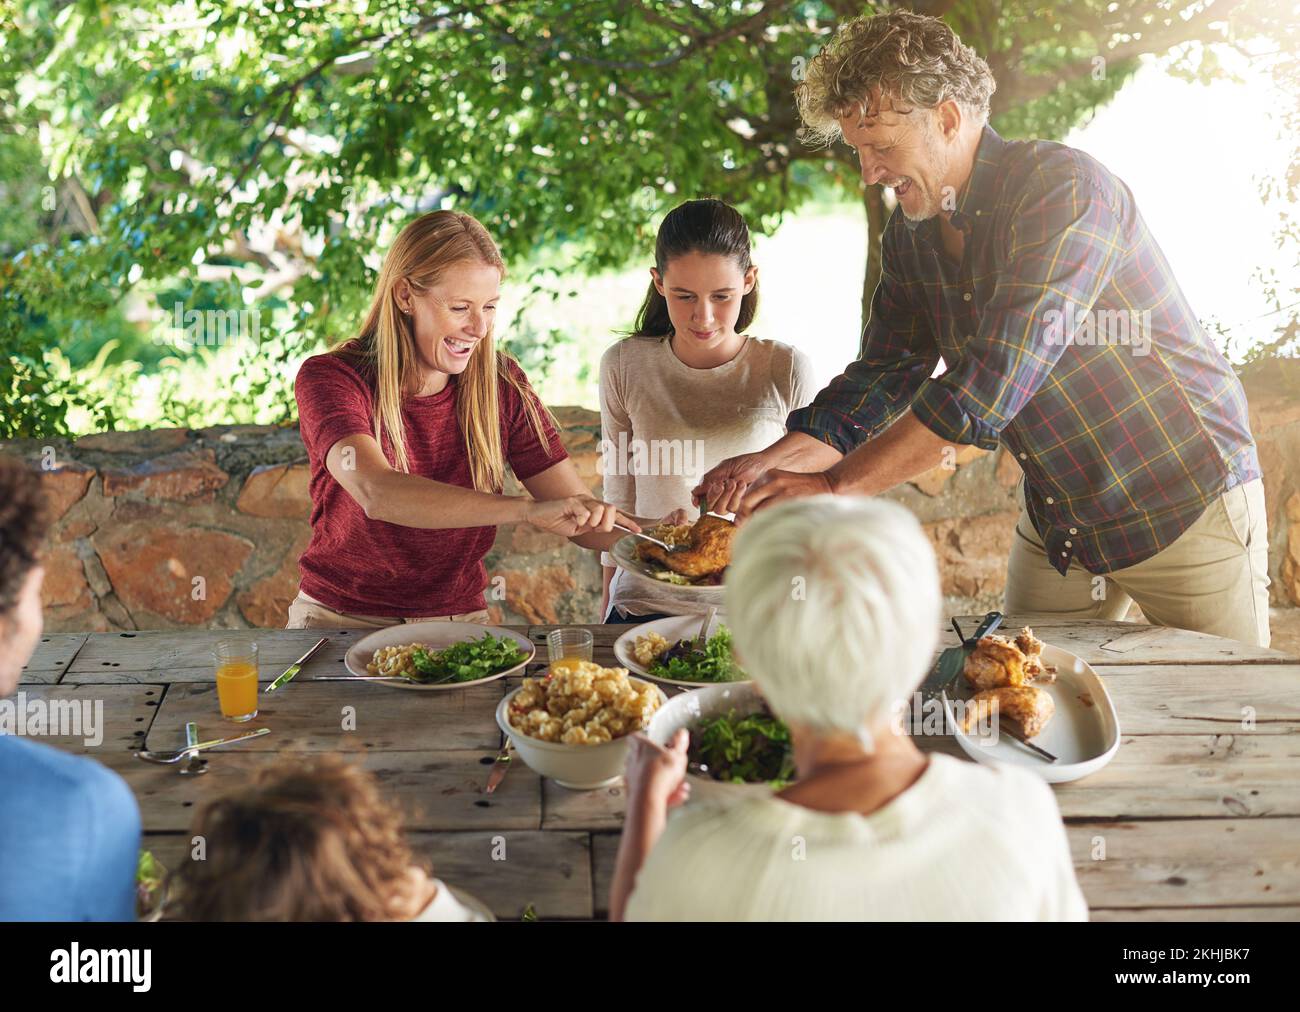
708,226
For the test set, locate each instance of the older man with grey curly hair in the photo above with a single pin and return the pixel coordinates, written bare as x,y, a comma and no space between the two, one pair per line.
1025,268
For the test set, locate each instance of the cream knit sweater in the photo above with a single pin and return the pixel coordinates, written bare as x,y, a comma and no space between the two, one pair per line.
672,423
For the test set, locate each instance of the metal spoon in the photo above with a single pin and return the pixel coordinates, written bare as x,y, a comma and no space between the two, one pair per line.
647,537
167,758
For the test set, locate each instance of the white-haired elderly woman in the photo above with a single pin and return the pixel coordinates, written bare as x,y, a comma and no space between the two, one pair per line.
834,606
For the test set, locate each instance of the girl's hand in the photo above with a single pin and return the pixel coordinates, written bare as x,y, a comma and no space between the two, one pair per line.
656,776
575,515
676,518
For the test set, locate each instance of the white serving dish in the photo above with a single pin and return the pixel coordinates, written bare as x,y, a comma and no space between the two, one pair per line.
688,709
436,635
1083,737
674,628
624,554
577,767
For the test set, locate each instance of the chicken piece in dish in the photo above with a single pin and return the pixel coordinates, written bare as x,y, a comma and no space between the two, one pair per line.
1025,708
708,552
993,663
1032,647
997,661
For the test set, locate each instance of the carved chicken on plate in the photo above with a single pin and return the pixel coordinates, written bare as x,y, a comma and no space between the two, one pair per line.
1026,708
997,662
706,554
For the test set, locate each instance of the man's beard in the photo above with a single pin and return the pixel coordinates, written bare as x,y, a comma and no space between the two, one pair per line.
931,205
927,210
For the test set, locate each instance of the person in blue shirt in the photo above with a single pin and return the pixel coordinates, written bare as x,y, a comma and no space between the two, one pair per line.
69,827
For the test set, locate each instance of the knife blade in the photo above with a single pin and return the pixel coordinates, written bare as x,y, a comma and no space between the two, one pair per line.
499,767
296,666
953,660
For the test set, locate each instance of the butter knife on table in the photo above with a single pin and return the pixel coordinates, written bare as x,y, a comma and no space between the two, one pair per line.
499,767
296,666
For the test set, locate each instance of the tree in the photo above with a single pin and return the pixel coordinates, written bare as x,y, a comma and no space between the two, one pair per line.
265,150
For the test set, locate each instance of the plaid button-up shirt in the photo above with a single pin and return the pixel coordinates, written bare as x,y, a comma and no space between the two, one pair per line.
1065,338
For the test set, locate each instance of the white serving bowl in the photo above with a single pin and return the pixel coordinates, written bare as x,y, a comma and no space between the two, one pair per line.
691,709
1083,733
577,767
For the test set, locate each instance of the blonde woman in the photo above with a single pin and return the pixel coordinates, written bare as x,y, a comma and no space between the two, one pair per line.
409,428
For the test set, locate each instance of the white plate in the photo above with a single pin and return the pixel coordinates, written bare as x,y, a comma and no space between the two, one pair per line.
435,635
1083,737
624,553
678,627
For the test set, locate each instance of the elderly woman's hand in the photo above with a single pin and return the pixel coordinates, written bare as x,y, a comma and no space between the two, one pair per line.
656,776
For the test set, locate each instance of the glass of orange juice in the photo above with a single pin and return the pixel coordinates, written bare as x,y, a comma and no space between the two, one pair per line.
236,680
569,645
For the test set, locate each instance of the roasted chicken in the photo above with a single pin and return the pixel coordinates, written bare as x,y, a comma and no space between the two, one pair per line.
707,553
1025,708
997,662
994,662
1032,647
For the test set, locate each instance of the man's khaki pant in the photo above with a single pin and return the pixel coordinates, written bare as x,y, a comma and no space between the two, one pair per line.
1212,579
305,612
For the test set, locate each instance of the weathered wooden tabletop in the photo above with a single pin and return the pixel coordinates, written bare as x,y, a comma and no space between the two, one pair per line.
1196,816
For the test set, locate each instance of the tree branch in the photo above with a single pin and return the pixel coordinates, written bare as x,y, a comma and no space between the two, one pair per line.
1021,89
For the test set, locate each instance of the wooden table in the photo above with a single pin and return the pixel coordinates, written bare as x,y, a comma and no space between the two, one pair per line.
1195,818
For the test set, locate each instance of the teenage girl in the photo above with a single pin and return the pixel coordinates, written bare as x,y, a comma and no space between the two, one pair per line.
688,388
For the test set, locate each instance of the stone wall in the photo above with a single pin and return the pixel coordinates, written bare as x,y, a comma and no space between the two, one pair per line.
174,527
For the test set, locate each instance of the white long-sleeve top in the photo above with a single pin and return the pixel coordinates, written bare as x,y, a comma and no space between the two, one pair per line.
673,423
965,842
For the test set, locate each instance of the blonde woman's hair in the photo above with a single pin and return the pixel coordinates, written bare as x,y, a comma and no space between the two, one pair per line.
421,255
915,60
834,604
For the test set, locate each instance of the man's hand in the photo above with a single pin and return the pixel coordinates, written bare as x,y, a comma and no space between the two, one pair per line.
776,486
722,489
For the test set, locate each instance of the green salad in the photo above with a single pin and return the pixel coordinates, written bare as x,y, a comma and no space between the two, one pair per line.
687,662
753,749
149,876
465,662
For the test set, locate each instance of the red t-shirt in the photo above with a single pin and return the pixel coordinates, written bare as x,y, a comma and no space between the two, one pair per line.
372,567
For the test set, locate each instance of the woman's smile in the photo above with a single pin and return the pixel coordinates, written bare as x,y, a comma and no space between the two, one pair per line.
459,347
